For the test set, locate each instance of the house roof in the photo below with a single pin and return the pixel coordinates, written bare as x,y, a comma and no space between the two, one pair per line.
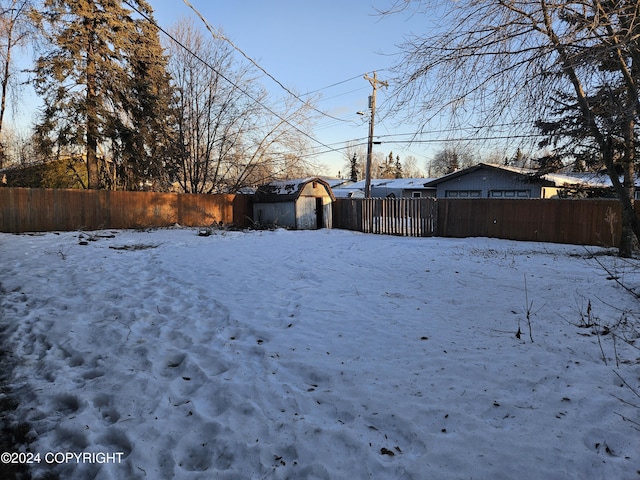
400,183
353,190
338,182
552,179
288,190
408,183
593,180
360,184
524,172
348,192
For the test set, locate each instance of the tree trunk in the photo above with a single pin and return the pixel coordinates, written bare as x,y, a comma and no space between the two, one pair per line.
630,222
6,73
625,191
93,180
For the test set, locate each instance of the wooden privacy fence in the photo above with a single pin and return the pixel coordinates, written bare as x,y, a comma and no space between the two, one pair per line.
413,217
35,209
580,222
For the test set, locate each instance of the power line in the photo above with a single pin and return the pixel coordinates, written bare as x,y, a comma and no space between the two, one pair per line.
462,129
357,77
324,99
216,33
362,141
468,139
239,88
329,147
219,35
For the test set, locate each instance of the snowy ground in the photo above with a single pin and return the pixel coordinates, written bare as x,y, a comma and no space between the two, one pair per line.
320,355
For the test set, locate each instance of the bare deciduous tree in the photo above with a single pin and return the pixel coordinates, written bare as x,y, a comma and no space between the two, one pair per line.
230,137
571,67
15,30
449,160
410,167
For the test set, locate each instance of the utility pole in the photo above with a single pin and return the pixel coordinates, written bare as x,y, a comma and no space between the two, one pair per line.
372,106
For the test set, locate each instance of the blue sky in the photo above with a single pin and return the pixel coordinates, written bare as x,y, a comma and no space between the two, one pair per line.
325,47
311,46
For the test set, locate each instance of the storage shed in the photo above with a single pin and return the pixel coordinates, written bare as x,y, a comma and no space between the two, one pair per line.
303,204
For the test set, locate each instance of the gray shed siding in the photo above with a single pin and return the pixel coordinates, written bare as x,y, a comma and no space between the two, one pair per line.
301,205
282,214
306,213
489,183
327,215
307,208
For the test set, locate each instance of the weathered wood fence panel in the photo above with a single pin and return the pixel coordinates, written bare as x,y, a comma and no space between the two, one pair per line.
580,222
347,214
35,209
414,217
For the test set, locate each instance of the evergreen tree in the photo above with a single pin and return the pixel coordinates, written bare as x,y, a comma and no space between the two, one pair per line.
104,83
397,169
518,160
550,163
387,169
147,149
354,168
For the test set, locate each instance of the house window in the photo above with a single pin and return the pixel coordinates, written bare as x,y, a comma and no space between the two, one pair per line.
510,194
416,194
463,193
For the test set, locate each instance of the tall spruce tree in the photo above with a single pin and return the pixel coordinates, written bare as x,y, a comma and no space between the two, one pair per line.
104,83
353,168
397,168
387,169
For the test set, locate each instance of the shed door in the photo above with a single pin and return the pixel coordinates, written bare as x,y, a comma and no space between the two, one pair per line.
319,213
306,213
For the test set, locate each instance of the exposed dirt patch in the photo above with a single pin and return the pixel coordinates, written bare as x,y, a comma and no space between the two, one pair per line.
138,246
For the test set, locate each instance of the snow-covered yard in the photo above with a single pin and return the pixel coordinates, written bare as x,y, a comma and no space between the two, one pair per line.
319,355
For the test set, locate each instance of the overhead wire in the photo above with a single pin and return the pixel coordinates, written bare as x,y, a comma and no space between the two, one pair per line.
217,34
440,140
336,120
239,88
390,139
338,83
329,148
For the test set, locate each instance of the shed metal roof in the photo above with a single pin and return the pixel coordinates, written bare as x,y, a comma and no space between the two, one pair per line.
288,190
